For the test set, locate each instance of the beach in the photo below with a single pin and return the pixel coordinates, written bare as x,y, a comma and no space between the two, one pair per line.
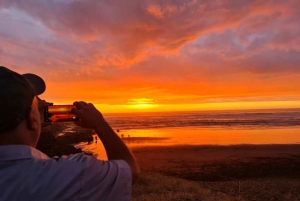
236,172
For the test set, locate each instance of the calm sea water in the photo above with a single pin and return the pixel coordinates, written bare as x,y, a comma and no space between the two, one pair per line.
203,128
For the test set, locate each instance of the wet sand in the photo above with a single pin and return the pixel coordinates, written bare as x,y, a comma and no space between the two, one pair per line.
265,172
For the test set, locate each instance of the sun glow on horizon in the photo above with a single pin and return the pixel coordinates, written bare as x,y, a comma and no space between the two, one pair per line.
141,103
129,108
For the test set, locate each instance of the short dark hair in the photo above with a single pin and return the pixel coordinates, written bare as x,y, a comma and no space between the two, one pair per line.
17,94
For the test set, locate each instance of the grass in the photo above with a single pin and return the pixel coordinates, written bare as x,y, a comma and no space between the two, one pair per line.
154,186
158,187
264,172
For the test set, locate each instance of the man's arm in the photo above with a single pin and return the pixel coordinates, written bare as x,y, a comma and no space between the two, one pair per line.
115,148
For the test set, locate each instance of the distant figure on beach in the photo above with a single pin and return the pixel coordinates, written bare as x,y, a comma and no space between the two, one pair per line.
35,176
122,135
128,136
118,130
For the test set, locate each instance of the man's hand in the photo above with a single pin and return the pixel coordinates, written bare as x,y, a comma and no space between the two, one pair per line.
89,116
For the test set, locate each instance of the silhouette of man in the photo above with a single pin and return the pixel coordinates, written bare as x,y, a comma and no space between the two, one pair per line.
28,174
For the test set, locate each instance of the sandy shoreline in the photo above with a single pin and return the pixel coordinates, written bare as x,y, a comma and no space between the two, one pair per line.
206,153
200,157
258,166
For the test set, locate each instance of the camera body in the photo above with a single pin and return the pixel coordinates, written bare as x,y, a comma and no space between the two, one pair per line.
59,113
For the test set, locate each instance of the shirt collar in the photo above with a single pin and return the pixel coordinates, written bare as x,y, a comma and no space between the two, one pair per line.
19,152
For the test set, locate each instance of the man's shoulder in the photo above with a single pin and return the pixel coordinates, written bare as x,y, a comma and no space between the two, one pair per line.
86,160
83,164
66,165
82,175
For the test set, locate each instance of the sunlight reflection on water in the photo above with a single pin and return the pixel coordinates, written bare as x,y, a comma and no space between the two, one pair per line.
96,148
199,136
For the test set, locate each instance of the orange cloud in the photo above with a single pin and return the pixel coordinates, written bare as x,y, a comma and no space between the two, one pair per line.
179,52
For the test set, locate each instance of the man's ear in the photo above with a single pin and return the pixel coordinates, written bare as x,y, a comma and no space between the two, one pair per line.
32,120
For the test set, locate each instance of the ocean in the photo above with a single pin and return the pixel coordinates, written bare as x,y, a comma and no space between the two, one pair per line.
254,119
280,126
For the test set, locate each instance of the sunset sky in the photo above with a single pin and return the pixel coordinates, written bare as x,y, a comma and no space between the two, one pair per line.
131,56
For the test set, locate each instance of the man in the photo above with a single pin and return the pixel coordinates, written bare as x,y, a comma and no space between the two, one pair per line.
28,174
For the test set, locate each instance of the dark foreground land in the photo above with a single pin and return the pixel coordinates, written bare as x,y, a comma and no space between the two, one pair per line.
237,172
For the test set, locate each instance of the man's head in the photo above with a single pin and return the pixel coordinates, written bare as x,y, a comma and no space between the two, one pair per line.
19,114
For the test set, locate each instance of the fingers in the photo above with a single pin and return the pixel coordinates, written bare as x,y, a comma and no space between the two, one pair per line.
42,104
79,107
78,123
80,104
75,111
